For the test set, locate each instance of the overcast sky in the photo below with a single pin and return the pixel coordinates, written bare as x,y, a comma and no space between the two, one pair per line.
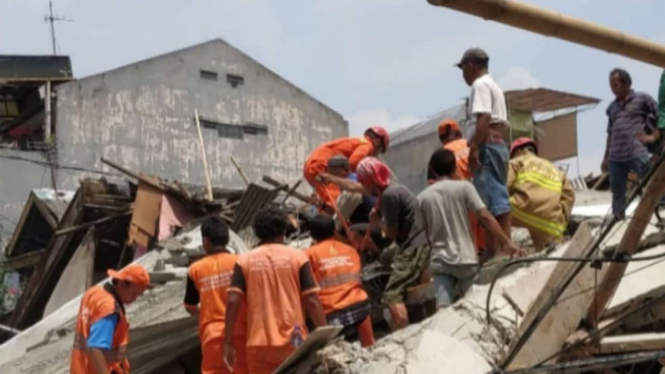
375,61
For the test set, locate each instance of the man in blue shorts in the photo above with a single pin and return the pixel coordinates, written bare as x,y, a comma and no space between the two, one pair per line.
488,153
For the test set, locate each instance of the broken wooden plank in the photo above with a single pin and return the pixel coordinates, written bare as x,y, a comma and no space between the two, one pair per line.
632,343
77,275
203,155
600,181
564,316
628,245
25,260
650,311
277,184
86,225
30,306
240,171
318,339
291,191
150,181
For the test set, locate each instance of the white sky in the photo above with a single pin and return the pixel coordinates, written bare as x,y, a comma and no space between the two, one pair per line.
375,61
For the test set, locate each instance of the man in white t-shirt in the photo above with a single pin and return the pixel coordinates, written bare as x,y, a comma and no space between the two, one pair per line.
488,153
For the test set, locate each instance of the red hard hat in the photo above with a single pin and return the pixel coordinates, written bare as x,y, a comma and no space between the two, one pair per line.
521,142
382,133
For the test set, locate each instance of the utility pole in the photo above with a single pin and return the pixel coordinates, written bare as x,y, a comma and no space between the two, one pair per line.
51,19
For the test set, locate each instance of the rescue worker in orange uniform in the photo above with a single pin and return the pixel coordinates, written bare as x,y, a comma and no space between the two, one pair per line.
207,283
375,141
452,139
102,330
277,284
541,197
337,268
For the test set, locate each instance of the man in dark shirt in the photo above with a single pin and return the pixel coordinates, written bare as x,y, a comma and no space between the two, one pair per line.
632,126
400,219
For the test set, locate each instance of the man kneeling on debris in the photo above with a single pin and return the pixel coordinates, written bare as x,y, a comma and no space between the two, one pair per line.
102,331
277,283
207,283
446,205
398,215
337,268
541,197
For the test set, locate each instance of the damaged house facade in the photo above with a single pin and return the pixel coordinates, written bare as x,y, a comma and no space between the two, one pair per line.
142,116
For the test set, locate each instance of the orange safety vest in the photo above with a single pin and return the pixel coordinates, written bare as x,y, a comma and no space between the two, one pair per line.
336,267
460,148
272,286
99,302
212,277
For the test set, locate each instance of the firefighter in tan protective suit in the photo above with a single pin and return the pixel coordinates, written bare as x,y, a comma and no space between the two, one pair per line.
541,197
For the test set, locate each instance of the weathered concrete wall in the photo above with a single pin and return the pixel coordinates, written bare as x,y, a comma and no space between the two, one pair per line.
18,175
142,116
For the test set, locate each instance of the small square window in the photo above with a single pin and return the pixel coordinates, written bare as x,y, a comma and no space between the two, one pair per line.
234,80
208,75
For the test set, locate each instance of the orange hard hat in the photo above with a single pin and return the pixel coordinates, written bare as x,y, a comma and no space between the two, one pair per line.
521,142
448,124
382,134
133,273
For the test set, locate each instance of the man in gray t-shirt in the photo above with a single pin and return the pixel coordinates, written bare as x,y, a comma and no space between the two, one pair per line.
445,208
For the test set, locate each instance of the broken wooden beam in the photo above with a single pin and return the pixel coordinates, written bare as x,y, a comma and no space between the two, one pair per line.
295,194
91,224
240,171
632,343
203,155
25,260
628,244
132,174
291,191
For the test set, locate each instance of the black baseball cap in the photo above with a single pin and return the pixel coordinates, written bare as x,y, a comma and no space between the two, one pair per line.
473,55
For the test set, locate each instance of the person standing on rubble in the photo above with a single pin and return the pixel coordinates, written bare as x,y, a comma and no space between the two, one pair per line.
488,153
102,330
398,216
337,269
450,135
208,280
445,207
632,126
277,284
541,197
375,141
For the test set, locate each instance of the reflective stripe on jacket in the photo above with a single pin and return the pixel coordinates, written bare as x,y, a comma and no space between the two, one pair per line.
540,194
97,303
336,267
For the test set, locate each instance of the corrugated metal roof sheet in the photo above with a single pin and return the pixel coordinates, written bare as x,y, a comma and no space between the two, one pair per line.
545,100
428,126
34,68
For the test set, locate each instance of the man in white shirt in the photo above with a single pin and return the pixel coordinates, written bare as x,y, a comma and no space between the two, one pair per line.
488,153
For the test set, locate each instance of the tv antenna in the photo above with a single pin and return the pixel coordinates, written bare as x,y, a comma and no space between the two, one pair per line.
51,19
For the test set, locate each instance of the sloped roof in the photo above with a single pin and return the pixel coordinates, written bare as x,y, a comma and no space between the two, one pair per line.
545,100
22,68
428,126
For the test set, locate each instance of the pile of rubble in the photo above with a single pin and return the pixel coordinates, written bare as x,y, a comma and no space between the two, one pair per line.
512,324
